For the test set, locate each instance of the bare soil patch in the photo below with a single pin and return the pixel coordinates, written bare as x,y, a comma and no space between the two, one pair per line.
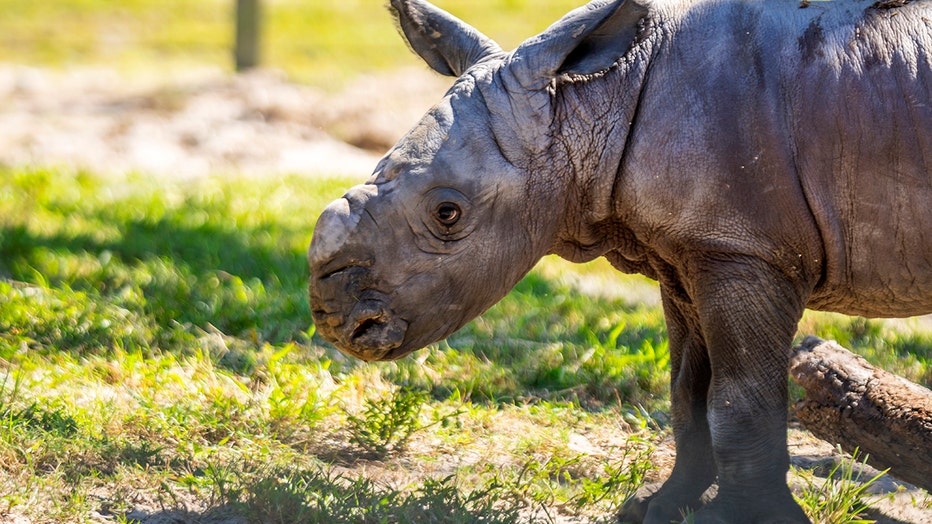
205,121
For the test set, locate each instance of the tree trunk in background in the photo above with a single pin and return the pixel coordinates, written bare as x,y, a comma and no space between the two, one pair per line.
854,404
247,34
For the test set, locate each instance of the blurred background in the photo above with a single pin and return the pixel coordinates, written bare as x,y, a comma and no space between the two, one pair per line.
324,87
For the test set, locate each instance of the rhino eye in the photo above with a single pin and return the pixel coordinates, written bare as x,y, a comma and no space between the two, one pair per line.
448,213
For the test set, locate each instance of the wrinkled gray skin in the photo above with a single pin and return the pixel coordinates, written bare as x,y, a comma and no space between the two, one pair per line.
755,158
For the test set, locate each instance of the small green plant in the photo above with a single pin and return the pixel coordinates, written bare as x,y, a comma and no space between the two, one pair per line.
621,478
386,424
839,499
576,483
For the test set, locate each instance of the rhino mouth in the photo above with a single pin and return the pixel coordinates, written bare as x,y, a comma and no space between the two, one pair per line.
365,328
372,332
352,316
378,334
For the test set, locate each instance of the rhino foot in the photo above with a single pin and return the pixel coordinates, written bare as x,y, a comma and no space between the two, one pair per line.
709,516
661,504
634,509
773,509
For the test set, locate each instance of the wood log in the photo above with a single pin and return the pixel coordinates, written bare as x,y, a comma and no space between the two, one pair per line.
856,405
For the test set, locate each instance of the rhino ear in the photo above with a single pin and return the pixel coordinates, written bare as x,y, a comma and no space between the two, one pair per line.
587,40
447,44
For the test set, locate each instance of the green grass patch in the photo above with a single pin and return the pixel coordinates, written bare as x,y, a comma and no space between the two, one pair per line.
156,353
842,497
155,336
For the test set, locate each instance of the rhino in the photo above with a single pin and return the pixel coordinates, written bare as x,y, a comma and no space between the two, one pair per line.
755,158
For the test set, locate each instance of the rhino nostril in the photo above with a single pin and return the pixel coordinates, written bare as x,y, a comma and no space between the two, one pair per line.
365,326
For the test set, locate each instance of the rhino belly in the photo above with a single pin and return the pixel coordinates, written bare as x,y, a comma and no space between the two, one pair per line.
879,255
862,127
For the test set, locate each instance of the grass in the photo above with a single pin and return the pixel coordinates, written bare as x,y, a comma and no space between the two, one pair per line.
841,498
317,42
156,345
157,356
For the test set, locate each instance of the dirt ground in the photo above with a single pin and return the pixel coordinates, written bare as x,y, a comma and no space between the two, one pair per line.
205,122
258,124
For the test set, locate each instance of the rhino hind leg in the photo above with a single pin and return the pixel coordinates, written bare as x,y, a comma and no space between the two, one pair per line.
690,374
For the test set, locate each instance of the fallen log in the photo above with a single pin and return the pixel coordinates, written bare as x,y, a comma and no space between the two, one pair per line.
856,405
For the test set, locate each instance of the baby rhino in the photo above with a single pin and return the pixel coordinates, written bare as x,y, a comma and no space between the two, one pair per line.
755,158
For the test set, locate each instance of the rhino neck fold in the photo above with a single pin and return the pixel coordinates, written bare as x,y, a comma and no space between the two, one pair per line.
593,117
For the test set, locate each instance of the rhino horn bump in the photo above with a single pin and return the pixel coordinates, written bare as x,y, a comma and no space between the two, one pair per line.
334,227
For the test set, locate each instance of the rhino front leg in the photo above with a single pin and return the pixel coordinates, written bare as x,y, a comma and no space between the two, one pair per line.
748,314
694,470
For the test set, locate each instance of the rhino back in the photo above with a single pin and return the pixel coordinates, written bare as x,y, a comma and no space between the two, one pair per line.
807,133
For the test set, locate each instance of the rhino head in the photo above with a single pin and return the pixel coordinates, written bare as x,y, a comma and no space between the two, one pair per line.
467,202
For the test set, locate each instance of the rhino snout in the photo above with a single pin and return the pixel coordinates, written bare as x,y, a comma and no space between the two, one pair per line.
370,331
346,309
